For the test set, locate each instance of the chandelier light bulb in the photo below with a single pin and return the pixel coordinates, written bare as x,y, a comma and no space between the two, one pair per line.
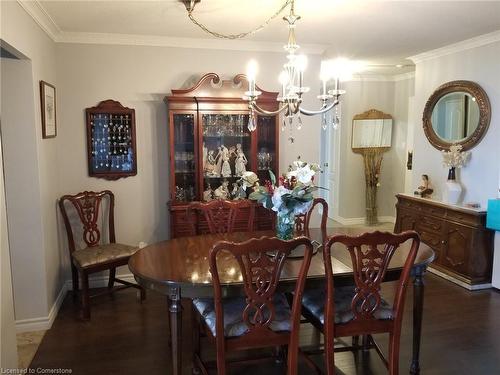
252,70
301,63
283,78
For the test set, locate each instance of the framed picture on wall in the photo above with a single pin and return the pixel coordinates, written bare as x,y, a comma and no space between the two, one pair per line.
48,109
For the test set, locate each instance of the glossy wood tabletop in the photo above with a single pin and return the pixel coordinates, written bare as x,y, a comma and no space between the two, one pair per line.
184,261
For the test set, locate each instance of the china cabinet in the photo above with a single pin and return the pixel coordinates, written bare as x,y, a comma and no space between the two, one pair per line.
211,147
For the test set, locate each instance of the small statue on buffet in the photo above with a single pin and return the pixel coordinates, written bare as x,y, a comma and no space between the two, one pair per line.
241,161
208,195
425,189
222,192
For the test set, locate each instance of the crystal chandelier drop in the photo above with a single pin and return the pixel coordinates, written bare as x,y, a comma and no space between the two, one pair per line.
292,84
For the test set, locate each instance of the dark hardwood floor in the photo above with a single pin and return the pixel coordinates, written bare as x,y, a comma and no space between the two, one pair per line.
461,336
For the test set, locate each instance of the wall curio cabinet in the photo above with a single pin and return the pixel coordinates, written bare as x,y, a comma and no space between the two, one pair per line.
211,146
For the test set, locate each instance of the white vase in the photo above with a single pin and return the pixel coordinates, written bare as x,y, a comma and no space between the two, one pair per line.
452,192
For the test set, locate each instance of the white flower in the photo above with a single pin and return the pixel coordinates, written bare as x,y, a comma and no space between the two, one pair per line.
302,209
455,158
303,174
276,198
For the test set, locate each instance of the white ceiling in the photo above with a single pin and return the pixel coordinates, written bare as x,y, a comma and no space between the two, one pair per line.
380,32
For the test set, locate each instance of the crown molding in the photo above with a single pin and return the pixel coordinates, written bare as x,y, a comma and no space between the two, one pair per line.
36,10
464,45
177,42
382,78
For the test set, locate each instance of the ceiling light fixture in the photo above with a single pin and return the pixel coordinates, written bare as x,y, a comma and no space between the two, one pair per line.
292,76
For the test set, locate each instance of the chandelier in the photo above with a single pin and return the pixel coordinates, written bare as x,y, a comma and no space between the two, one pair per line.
292,76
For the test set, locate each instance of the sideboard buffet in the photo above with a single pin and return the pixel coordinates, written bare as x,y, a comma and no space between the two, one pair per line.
211,146
458,235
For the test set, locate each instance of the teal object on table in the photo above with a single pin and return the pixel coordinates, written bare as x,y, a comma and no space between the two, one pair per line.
493,214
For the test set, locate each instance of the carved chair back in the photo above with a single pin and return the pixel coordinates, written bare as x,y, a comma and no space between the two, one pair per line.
371,254
221,215
261,262
88,206
303,222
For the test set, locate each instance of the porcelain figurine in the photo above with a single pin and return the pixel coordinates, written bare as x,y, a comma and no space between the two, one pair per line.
210,166
226,167
222,192
235,193
218,164
425,188
208,195
241,161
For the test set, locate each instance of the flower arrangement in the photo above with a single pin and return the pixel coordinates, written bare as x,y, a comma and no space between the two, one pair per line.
455,157
288,196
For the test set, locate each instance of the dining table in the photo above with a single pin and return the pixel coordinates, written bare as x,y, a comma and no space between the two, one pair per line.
179,268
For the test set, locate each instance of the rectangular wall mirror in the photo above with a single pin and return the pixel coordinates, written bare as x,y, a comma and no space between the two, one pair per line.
368,133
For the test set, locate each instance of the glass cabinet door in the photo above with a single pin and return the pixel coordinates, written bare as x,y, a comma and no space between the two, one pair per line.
226,153
266,147
184,160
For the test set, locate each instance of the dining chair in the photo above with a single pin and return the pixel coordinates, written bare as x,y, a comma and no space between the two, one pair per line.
262,318
223,216
84,216
360,309
303,222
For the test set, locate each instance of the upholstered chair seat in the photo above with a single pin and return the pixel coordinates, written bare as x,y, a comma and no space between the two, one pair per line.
234,325
313,304
90,256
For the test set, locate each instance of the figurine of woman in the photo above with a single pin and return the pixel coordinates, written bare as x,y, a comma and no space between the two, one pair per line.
210,164
425,188
226,167
208,195
241,161
218,164
222,192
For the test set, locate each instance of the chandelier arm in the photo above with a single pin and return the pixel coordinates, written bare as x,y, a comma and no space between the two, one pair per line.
216,34
262,111
324,108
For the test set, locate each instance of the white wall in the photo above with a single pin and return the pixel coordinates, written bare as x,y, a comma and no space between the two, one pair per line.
8,342
20,31
22,188
481,175
389,96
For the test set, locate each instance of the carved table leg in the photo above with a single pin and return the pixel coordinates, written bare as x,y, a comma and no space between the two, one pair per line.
175,315
418,305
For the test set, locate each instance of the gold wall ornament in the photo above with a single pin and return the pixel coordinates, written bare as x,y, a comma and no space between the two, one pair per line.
372,159
473,94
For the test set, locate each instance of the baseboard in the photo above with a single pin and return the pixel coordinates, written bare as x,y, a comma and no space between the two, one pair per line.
45,322
361,220
458,282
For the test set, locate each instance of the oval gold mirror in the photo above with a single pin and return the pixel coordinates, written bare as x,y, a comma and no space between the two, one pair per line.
458,112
